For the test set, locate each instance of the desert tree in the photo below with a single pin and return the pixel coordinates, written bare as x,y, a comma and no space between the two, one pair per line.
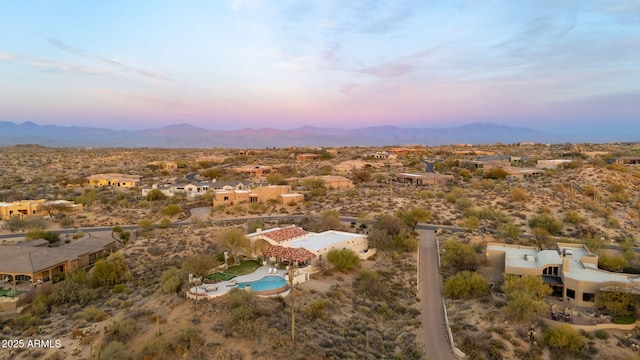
199,264
564,340
237,242
414,216
458,256
525,296
343,260
466,285
619,299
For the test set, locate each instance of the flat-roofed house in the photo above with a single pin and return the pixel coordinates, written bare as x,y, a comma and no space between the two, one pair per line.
280,194
255,170
424,179
570,269
114,180
294,244
36,207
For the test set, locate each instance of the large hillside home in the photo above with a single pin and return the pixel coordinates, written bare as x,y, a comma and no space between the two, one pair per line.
424,179
114,180
36,207
571,269
255,170
280,194
188,190
32,263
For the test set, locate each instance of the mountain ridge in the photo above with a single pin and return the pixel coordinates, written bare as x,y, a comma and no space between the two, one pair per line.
185,135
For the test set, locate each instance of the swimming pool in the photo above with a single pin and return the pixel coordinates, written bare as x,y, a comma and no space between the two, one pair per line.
267,284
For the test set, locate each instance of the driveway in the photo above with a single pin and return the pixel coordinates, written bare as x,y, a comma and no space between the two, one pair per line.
436,340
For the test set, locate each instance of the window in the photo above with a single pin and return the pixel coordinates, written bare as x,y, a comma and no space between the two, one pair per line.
551,270
571,293
588,297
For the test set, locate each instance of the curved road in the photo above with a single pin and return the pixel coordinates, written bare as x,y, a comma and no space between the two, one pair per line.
436,340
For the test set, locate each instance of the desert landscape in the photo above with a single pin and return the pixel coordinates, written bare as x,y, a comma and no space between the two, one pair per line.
368,310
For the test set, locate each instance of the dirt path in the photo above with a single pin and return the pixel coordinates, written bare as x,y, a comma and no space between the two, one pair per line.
436,341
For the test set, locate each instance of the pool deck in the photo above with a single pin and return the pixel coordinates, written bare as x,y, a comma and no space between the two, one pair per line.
209,291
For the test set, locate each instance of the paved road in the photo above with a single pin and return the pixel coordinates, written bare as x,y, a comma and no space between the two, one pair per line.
436,340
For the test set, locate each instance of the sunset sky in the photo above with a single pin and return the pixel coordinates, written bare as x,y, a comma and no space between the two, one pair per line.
563,66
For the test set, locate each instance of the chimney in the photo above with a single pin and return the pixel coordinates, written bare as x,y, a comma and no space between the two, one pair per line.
565,264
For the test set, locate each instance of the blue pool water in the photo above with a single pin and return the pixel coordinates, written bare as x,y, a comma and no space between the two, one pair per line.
268,282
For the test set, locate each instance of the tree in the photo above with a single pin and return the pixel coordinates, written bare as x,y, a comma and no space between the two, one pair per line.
368,283
414,216
470,223
612,263
155,195
459,256
361,176
525,296
146,224
276,179
619,299
53,208
564,340
519,195
237,242
466,285
171,210
343,260
171,281
508,231
547,222
15,223
496,174
199,264
109,272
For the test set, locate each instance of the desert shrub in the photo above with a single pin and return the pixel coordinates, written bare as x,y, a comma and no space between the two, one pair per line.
519,195
546,222
368,283
111,271
146,224
601,334
525,296
121,289
508,231
164,223
72,290
114,350
466,285
121,330
458,256
170,281
612,263
316,309
188,338
496,174
91,314
563,340
171,210
343,260
573,217
611,223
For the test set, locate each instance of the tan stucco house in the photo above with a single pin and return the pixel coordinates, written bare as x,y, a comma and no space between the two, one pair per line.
570,269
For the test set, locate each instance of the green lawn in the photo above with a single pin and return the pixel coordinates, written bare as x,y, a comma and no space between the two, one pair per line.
624,319
8,293
220,276
245,267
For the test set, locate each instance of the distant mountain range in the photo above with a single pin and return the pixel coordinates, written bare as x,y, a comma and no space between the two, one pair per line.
188,136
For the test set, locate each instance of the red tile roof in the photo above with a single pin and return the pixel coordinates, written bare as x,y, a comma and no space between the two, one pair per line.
285,234
291,254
